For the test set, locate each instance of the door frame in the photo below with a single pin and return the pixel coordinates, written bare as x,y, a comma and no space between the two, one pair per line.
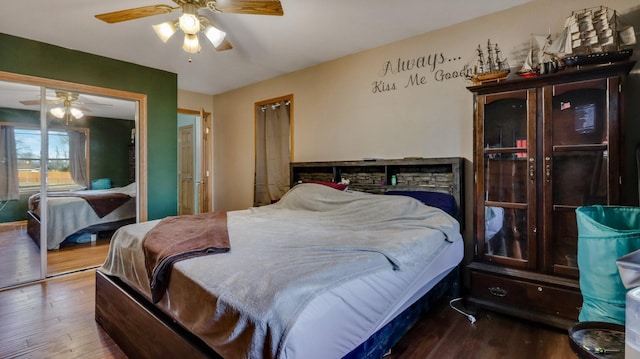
203,137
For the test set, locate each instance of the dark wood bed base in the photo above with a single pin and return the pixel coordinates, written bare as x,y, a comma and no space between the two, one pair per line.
33,226
142,330
139,328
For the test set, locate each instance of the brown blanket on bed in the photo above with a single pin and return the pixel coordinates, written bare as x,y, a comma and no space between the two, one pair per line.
181,237
102,204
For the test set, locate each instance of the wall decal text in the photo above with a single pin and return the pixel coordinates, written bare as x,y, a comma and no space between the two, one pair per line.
417,71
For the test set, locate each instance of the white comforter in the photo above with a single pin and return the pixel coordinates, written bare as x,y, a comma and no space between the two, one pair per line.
282,256
67,215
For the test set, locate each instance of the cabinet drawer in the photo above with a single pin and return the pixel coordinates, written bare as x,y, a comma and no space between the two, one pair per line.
527,296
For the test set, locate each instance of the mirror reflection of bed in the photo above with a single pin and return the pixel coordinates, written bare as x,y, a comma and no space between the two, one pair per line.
81,223
86,204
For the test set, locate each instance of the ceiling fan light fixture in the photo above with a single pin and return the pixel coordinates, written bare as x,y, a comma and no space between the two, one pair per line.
188,21
62,112
215,35
165,30
191,43
76,113
58,112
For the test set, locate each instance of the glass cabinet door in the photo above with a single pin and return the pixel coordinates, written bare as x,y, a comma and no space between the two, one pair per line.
576,164
506,177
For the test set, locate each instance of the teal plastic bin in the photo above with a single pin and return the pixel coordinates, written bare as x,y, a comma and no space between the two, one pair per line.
605,233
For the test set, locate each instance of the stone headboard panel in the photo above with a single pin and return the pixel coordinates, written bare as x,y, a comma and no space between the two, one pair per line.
375,176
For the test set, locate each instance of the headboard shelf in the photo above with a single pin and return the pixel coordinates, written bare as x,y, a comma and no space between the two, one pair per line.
444,174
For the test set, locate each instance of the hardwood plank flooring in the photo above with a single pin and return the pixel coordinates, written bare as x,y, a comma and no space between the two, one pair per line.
20,257
55,319
77,256
444,333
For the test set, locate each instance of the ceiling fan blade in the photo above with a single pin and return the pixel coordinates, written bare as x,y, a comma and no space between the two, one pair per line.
81,108
136,13
224,45
93,103
254,7
30,102
37,102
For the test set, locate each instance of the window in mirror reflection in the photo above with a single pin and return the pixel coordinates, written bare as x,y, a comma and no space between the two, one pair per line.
66,163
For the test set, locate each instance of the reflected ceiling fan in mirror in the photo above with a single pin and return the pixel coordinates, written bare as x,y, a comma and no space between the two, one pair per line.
192,23
69,109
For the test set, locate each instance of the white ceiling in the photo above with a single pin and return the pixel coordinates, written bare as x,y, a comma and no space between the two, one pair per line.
309,33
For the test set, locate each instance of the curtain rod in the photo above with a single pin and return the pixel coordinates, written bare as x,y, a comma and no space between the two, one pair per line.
274,105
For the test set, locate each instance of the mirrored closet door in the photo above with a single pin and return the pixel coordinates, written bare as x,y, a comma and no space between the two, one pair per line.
74,165
20,259
91,190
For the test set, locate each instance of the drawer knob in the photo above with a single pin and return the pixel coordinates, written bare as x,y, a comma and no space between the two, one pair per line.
498,292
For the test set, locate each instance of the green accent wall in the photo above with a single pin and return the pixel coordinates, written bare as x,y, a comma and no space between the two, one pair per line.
109,150
27,57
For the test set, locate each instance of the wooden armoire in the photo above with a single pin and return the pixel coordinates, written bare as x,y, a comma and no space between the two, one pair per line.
543,146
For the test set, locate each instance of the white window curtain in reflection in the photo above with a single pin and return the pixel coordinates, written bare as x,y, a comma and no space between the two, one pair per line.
9,181
78,157
272,153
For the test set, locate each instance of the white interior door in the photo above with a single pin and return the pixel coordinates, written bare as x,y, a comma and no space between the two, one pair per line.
186,168
189,163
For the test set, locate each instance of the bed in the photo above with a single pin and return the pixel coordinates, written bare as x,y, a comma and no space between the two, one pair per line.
77,216
360,268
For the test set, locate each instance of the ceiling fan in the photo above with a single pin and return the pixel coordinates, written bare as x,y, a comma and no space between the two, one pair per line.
192,23
70,108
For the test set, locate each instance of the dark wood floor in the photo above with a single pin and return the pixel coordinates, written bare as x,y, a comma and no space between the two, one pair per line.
444,333
55,319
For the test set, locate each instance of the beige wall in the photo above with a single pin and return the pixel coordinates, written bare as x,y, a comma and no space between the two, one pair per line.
337,116
194,101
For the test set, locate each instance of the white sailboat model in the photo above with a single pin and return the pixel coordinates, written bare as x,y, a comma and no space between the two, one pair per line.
528,68
593,36
493,68
541,63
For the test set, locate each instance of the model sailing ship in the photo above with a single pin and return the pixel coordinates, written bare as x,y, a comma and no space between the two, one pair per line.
593,36
541,63
491,68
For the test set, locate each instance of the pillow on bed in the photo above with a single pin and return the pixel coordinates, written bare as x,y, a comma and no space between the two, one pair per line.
338,186
444,201
101,183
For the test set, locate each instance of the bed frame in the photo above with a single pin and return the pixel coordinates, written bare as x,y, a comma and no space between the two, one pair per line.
142,330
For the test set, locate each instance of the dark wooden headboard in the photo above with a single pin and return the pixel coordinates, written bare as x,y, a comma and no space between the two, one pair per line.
374,176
